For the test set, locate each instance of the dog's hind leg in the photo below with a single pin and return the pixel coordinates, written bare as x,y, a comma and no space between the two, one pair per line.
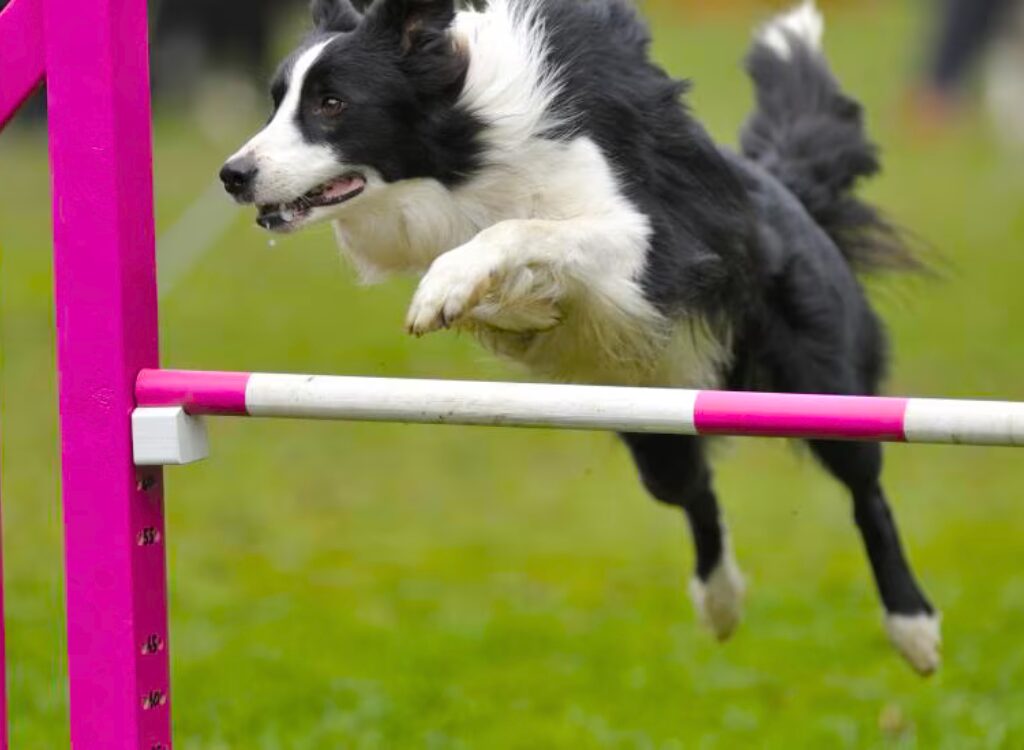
912,623
675,471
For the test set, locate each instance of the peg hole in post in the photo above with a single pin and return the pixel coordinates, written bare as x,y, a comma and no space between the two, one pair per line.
153,644
153,699
148,536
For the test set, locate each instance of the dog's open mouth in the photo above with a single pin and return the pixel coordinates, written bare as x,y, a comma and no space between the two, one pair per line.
281,216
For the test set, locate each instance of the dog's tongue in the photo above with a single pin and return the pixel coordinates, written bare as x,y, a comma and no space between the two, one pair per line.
344,186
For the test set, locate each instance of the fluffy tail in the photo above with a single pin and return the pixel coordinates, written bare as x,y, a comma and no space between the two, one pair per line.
811,137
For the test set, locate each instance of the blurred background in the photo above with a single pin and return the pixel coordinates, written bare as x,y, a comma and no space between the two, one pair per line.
383,586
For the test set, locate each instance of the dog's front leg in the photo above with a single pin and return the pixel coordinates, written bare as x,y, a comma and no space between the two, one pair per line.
511,276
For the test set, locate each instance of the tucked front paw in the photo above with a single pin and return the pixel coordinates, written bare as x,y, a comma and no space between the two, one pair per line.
449,291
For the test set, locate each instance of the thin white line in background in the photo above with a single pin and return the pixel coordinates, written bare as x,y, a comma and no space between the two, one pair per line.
183,245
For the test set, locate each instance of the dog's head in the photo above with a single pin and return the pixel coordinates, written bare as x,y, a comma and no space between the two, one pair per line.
366,101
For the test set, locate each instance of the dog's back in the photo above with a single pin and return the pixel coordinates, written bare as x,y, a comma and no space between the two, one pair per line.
761,246
804,151
666,163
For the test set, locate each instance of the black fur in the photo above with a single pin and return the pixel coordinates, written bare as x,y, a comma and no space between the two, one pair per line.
334,15
674,469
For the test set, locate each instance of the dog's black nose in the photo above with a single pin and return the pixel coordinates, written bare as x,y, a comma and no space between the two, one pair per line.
238,175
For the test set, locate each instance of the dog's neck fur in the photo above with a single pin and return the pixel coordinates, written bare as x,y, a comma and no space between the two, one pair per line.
407,225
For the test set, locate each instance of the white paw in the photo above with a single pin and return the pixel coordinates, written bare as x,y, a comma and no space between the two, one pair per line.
918,638
455,284
719,600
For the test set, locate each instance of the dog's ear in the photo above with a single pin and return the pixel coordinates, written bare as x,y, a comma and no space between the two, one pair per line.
334,15
417,23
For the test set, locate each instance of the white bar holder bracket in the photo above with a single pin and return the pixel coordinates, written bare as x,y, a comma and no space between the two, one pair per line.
168,436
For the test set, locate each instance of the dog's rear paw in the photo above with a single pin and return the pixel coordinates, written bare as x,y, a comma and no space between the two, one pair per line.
918,638
719,599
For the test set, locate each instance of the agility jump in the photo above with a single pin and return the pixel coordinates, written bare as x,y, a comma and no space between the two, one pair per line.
106,301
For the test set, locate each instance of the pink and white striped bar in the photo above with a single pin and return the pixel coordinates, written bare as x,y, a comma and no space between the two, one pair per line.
585,407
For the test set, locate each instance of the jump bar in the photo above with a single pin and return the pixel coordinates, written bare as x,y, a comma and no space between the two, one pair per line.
587,407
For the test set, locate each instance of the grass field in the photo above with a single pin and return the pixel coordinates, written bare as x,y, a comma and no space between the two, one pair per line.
397,587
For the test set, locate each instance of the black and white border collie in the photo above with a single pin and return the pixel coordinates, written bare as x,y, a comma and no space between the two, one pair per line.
541,174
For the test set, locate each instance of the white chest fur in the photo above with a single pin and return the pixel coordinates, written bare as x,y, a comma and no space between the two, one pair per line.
588,271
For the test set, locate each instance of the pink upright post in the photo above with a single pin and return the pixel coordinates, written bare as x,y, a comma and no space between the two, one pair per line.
100,146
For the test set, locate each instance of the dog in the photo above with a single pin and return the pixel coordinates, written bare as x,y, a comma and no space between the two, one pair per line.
560,203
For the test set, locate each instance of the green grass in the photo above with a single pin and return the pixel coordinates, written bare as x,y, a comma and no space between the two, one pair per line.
389,587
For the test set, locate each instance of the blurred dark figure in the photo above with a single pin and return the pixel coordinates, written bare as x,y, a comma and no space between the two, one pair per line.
971,34
966,29
192,38
210,58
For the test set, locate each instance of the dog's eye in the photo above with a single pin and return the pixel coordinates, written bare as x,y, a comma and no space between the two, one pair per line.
330,106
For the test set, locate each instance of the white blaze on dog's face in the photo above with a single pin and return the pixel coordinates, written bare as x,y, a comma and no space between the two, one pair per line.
368,101
295,178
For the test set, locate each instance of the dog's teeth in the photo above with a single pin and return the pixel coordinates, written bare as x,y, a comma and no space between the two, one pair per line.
287,215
